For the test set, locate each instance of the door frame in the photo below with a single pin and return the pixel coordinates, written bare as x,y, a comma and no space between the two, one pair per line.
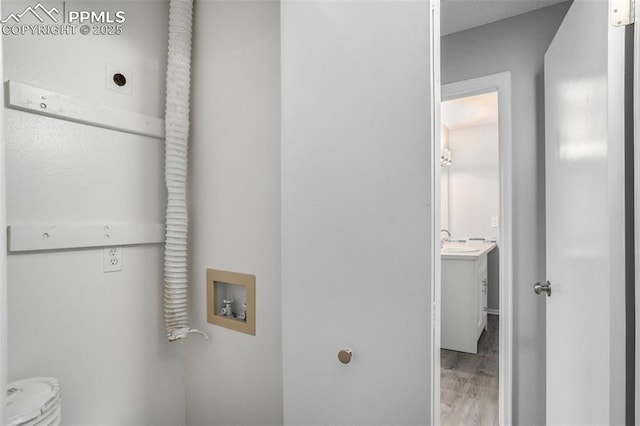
501,83
636,202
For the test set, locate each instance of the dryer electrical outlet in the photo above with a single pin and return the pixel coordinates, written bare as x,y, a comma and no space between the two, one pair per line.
112,259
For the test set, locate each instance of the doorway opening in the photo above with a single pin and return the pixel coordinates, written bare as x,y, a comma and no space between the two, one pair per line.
473,348
470,206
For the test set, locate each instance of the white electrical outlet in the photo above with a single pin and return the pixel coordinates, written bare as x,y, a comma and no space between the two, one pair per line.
495,222
112,259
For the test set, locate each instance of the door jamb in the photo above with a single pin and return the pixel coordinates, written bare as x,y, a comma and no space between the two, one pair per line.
636,185
476,86
434,150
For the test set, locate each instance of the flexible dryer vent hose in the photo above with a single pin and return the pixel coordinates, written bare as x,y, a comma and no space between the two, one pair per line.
176,150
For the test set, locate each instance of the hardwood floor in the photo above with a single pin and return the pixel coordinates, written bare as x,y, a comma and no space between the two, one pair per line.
469,382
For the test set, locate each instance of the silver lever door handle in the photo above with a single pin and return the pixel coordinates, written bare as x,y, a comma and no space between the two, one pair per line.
539,288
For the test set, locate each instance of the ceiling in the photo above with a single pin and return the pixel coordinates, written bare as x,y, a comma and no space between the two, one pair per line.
470,111
460,15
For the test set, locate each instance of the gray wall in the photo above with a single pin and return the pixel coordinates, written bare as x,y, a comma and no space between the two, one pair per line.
518,45
101,334
236,378
493,265
355,211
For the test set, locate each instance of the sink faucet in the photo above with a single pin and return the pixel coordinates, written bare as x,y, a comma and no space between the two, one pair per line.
442,240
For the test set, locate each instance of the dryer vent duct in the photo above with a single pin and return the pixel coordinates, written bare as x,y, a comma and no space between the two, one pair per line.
176,151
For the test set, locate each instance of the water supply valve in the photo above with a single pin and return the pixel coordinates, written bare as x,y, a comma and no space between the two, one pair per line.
227,310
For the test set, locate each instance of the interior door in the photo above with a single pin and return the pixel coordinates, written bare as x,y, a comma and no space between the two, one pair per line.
584,113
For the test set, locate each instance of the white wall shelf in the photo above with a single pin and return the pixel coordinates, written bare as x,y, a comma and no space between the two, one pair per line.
23,238
45,102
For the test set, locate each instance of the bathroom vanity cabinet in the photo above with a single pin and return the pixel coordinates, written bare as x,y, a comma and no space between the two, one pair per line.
464,296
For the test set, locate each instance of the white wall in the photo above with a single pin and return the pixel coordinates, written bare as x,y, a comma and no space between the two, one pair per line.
235,208
101,334
474,185
518,45
356,240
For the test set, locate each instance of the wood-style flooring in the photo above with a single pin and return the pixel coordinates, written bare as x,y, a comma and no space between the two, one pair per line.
469,382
